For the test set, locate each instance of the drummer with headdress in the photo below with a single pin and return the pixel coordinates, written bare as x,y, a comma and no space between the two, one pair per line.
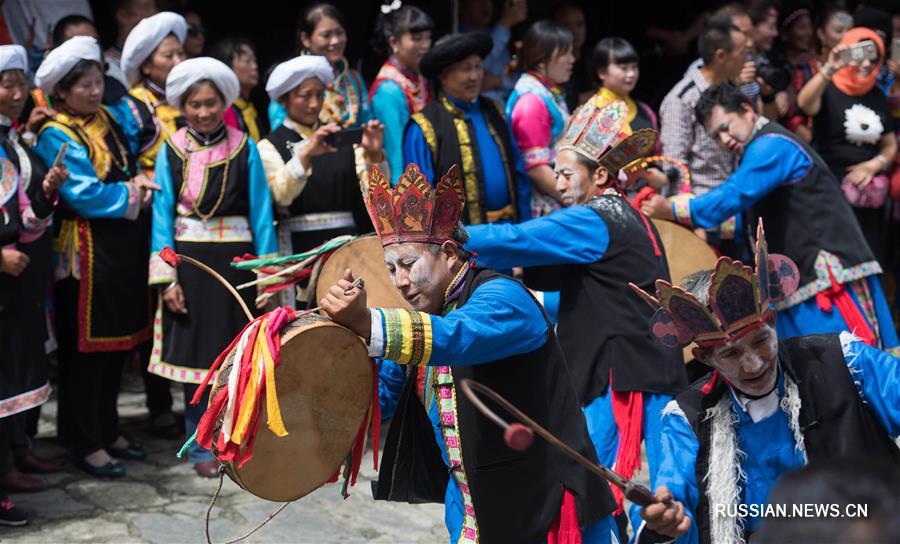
151,50
213,205
463,128
315,185
769,405
600,243
469,322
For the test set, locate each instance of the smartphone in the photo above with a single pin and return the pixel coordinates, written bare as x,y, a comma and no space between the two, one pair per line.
345,138
895,49
61,154
864,50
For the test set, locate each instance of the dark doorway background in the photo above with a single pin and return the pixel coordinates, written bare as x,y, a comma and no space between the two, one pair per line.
272,25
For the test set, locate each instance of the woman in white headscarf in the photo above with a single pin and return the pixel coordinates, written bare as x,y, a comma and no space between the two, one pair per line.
27,198
150,52
213,205
315,186
102,310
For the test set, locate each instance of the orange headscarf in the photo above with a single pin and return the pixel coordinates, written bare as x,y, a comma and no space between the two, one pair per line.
847,79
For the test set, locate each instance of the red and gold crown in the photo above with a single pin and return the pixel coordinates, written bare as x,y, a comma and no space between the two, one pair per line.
413,211
603,135
739,300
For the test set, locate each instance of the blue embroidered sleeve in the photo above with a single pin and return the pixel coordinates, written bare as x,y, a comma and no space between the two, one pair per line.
769,161
389,106
567,236
127,115
262,222
83,191
163,230
415,149
391,378
500,319
877,378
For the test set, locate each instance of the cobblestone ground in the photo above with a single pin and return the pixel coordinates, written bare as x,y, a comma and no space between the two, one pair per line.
161,500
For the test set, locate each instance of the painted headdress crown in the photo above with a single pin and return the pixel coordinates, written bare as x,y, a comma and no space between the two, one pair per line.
739,300
413,211
603,135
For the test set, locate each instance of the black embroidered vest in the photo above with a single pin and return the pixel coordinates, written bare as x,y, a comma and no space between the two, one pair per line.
603,324
810,214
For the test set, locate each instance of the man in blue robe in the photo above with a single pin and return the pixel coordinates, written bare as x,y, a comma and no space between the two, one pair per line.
785,182
460,127
600,243
468,322
770,405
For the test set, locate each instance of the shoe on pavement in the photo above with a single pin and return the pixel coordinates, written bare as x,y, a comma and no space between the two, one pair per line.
11,515
113,469
16,482
207,469
34,463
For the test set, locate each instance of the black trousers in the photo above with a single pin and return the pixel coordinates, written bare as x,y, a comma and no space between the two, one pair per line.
156,388
87,418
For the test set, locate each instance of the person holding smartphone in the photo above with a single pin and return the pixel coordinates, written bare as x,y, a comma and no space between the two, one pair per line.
853,128
314,169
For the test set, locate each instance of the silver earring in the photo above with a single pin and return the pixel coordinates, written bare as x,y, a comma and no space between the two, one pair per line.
395,50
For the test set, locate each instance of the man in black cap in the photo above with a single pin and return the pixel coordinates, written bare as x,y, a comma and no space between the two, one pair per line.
460,127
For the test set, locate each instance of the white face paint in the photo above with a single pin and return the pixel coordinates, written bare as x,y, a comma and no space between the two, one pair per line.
749,363
573,180
420,276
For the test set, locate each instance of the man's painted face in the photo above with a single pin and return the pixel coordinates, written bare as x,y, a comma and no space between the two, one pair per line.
731,130
574,181
421,276
749,363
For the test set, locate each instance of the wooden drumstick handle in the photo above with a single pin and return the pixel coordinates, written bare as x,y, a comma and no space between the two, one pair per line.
172,259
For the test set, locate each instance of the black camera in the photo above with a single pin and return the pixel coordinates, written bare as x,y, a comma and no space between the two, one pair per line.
775,75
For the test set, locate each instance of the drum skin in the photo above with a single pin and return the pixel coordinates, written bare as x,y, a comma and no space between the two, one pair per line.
365,257
686,253
324,387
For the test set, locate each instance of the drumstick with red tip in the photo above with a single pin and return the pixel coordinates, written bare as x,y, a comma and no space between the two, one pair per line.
519,436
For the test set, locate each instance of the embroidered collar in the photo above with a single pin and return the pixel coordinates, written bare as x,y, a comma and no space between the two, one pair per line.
412,75
552,87
458,107
454,290
301,129
217,136
158,93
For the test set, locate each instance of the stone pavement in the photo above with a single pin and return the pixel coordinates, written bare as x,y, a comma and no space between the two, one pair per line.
161,500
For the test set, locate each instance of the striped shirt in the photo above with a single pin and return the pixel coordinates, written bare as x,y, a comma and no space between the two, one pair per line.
685,139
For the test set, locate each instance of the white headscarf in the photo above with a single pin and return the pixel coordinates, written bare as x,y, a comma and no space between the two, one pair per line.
191,71
60,61
289,74
145,37
13,57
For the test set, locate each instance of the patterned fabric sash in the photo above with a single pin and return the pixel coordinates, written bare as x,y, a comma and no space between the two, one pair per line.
217,229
